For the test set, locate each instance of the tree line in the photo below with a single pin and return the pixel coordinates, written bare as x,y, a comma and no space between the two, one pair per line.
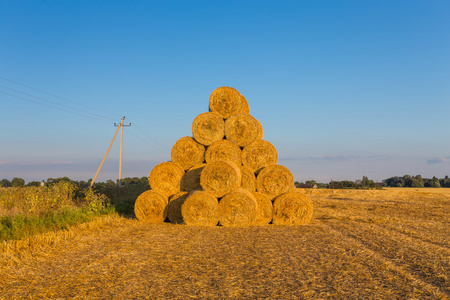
18,182
365,183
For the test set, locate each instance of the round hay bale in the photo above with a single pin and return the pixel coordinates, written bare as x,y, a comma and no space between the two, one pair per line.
208,128
174,207
150,207
245,106
227,101
292,208
191,179
165,178
223,150
237,209
242,129
260,129
274,180
220,177
248,179
264,213
187,152
258,155
200,209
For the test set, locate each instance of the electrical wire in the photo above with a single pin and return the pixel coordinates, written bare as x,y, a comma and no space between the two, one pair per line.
58,97
57,108
52,102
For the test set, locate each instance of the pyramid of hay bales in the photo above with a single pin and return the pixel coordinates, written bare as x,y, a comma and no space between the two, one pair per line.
225,173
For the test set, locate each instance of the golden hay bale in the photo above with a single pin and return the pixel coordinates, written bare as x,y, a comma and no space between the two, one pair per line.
174,207
274,180
200,209
220,177
237,209
227,101
165,178
187,152
248,179
264,212
242,129
191,179
208,128
258,155
245,106
260,129
223,150
150,207
292,208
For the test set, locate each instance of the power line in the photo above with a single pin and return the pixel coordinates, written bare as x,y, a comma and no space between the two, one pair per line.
58,97
57,108
52,102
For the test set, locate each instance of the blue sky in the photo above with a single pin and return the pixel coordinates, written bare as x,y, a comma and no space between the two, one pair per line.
343,89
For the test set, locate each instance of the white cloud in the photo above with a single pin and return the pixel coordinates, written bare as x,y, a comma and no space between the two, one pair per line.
437,160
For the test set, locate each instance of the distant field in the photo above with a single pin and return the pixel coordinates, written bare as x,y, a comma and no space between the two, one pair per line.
377,244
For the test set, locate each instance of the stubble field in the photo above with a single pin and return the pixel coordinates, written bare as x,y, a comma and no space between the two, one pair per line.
381,244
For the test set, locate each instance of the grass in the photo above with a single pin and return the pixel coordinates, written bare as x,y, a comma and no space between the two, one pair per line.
28,211
22,226
361,244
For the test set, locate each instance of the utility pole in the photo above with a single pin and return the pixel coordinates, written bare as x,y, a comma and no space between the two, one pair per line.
121,148
119,126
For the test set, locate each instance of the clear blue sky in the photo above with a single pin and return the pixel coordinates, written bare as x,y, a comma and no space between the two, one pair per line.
343,89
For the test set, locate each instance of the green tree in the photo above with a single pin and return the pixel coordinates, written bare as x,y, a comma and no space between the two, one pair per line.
17,182
416,183
5,183
313,182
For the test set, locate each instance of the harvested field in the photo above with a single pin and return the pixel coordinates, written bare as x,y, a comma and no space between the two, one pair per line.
388,244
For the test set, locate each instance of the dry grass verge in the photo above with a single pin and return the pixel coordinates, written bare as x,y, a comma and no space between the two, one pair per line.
359,245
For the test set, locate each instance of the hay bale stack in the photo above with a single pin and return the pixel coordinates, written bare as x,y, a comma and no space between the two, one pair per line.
208,128
227,101
248,179
187,152
274,180
224,174
174,207
264,212
150,207
223,150
237,208
292,208
220,177
165,178
200,209
258,155
191,179
242,129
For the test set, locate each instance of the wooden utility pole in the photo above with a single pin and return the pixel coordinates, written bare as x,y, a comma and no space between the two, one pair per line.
121,148
119,126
